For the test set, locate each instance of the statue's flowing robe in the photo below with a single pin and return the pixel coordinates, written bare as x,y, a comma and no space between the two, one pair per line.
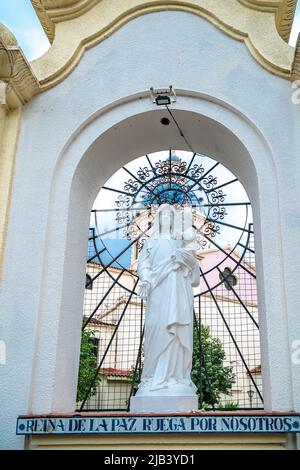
168,343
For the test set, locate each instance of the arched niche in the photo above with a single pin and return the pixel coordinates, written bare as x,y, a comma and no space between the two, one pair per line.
107,140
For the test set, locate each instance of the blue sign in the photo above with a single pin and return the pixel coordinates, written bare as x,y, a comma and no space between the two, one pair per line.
159,424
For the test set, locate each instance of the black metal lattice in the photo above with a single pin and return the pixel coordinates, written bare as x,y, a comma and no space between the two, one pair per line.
225,303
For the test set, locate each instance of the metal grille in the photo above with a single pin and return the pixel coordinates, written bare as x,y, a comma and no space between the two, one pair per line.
225,304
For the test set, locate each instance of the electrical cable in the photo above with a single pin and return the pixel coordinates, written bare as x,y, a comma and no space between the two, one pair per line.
180,130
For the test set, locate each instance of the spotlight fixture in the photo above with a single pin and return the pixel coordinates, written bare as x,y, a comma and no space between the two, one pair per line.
161,100
163,97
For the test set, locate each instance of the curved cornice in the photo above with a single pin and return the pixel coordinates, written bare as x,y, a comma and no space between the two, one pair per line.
15,71
44,18
61,10
262,5
285,17
55,11
256,28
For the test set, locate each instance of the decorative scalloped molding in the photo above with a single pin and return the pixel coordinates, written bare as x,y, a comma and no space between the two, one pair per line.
285,13
65,4
55,11
262,5
285,17
62,3
65,12
257,29
106,16
15,71
44,18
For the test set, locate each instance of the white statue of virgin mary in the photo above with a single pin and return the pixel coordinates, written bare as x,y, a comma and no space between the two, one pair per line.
168,270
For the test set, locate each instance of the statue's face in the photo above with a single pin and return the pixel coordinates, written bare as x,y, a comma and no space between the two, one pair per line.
165,220
166,216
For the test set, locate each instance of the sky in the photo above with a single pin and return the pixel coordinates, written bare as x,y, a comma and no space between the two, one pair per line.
20,17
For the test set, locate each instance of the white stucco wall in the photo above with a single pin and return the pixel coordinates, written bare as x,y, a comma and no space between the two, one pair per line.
77,134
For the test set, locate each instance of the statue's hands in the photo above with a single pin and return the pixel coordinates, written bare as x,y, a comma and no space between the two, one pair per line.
177,261
144,289
186,257
181,257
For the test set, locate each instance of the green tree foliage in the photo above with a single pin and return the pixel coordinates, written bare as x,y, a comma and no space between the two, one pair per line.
209,374
229,405
87,367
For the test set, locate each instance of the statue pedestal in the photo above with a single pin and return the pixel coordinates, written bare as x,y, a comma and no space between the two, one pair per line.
163,404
